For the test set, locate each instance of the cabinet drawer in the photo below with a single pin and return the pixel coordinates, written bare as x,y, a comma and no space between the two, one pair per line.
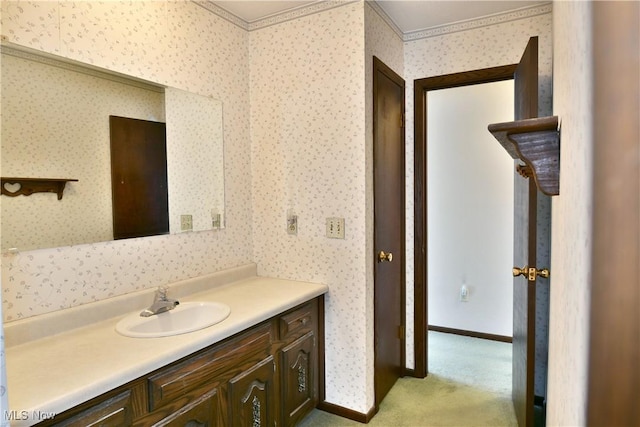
298,322
177,380
116,411
204,411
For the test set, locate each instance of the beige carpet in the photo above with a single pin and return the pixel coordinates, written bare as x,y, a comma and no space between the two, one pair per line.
439,400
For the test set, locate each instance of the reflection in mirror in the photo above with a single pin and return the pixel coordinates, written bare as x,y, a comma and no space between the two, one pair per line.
55,124
195,167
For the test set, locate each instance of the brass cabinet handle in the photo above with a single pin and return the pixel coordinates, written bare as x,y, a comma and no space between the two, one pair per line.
382,256
530,272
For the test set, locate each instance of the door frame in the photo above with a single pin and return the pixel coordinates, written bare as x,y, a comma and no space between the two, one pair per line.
420,290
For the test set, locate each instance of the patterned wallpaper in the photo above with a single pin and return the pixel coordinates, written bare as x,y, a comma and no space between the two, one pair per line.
160,41
55,124
308,155
571,237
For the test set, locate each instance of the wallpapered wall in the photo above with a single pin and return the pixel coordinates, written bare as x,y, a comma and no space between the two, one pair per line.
571,239
311,141
307,131
55,124
177,44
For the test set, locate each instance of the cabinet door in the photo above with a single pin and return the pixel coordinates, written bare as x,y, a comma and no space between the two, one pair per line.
298,378
252,396
203,412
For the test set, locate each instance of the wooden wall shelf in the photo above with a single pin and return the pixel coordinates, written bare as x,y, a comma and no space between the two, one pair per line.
537,143
28,186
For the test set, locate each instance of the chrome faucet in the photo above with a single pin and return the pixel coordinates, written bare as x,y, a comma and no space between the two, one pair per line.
160,303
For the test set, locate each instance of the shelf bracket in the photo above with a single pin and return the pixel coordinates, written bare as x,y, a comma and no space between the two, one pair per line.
14,187
536,142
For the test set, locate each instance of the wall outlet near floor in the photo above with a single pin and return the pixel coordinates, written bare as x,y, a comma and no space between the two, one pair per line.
335,228
464,293
186,222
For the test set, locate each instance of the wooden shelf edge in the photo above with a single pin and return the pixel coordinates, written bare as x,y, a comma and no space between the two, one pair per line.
536,142
28,186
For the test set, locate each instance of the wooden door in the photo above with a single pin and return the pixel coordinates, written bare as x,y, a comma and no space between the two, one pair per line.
138,178
525,245
389,227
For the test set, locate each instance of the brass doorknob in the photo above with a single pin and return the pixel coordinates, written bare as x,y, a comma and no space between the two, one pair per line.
382,256
530,272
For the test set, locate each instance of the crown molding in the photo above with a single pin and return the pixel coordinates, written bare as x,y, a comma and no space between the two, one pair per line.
485,21
386,18
322,5
224,14
289,15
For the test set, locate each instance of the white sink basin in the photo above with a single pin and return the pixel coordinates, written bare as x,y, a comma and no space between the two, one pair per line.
186,317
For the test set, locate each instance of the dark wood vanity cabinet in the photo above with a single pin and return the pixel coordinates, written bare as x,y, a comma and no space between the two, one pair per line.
264,376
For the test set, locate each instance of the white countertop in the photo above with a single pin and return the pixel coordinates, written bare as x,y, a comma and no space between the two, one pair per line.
55,373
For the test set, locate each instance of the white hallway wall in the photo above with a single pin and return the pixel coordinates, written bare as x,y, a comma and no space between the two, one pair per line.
470,209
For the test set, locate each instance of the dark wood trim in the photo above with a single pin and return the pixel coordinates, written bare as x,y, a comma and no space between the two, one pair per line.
472,334
322,390
347,413
420,337
468,78
614,350
420,89
409,372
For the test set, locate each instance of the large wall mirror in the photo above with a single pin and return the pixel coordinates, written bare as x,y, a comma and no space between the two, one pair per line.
55,124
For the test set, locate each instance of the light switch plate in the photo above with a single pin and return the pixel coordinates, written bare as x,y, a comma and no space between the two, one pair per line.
335,228
186,223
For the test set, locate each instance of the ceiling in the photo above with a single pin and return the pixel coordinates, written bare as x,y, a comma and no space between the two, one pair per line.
408,15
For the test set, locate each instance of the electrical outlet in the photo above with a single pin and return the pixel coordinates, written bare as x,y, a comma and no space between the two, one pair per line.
335,228
292,224
464,293
186,222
